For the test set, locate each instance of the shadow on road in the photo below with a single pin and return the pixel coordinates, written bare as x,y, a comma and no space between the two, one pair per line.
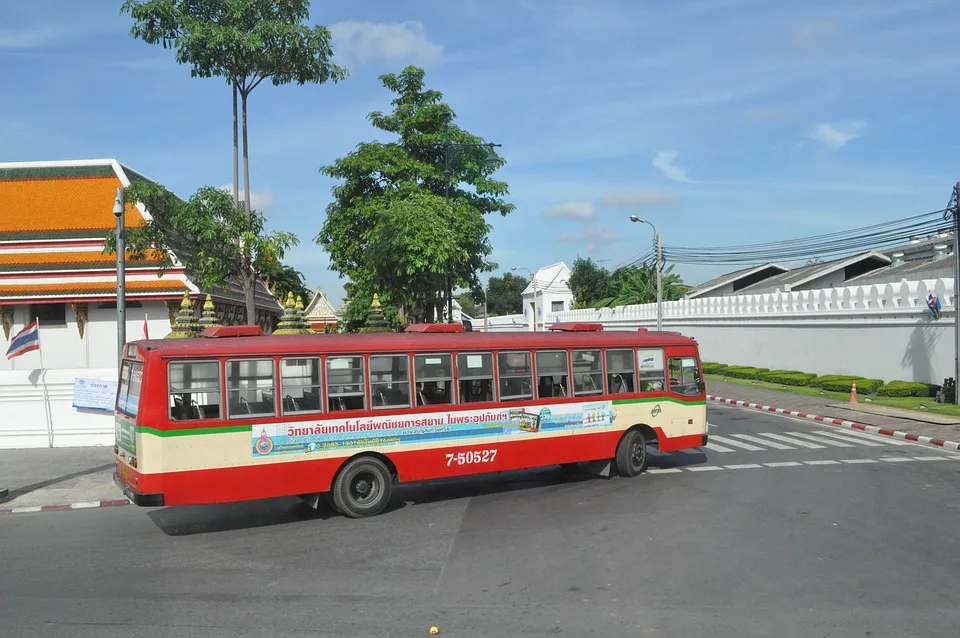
191,520
26,489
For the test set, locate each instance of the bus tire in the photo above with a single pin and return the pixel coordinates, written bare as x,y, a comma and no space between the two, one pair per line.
362,487
632,453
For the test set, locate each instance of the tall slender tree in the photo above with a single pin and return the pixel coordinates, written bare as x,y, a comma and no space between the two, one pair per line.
245,42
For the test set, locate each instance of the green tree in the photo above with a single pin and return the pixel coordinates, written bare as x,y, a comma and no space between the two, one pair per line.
282,279
372,231
244,42
468,303
216,241
588,281
505,294
637,284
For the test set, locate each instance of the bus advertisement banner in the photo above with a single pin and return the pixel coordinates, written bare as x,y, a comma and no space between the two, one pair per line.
367,431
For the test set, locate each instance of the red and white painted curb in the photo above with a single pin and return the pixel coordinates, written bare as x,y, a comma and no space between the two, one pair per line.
83,505
908,436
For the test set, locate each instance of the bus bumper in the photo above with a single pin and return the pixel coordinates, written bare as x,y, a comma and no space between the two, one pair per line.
143,500
703,441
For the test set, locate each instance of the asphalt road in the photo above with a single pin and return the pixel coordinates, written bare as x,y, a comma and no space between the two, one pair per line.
837,539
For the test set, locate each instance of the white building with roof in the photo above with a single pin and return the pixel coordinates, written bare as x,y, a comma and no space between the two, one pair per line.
548,293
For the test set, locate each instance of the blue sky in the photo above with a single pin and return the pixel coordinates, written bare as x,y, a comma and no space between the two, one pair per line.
722,121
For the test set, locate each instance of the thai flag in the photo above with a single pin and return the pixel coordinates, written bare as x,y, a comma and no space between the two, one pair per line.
146,328
27,340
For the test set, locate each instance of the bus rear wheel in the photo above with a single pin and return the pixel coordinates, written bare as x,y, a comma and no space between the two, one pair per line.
362,488
632,453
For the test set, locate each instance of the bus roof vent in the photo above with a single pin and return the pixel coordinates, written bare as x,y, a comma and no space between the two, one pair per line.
642,330
434,328
577,327
219,332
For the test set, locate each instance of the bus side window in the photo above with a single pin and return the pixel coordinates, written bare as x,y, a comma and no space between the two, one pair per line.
587,372
250,388
345,385
553,374
300,385
620,372
390,381
516,376
684,376
194,390
476,377
434,376
651,369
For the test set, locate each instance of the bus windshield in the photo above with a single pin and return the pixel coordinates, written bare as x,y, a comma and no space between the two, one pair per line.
128,392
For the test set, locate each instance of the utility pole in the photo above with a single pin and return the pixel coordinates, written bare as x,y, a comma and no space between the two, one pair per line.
119,207
956,284
659,283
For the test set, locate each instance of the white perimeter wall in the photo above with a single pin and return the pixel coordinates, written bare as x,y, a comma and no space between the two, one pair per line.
880,331
27,419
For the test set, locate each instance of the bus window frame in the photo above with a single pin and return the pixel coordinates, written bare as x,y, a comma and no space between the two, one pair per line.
365,376
221,390
410,387
664,372
603,377
568,391
321,388
530,377
492,378
633,363
130,364
274,366
698,375
416,378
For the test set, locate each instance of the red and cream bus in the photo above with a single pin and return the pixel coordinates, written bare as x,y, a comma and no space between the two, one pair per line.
234,415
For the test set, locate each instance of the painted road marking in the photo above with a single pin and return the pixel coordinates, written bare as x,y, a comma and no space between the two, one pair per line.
786,439
824,462
804,435
717,448
742,466
859,439
735,443
704,468
756,439
895,459
855,461
663,470
784,464
931,458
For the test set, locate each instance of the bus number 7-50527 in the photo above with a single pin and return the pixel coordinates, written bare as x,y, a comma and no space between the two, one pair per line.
471,456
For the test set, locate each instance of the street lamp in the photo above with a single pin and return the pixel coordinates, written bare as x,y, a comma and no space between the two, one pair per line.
659,249
119,206
492,160
533,277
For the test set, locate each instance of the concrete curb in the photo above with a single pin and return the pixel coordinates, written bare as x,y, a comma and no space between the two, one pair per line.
83,505
908,436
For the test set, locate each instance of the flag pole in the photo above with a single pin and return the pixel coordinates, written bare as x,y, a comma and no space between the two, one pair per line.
46,395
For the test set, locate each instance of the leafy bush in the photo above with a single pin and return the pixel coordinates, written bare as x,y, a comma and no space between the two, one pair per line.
788,377
907,389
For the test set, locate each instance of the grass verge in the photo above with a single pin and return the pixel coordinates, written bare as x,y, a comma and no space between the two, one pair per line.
904,403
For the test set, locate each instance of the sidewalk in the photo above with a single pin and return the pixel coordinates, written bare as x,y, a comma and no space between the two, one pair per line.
822,407
58,478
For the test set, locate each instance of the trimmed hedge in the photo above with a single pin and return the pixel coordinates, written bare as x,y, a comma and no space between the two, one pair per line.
788,377
710,367
744,372
907,389
839,383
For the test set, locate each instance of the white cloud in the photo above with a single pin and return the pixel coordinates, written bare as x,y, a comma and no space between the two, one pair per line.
366,42
28,38
259,200
638,199
571,210
663,161
836,135
592,238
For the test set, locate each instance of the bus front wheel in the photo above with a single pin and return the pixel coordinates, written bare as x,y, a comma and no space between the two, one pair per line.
632,453
362,488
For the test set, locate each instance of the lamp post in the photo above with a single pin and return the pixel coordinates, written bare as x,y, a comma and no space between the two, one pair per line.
533,278
119,206
492,160
659,250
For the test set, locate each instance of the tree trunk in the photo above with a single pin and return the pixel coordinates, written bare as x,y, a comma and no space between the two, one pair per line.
236,150
249,276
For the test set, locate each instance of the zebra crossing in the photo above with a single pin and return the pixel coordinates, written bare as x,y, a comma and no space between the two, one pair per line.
849,447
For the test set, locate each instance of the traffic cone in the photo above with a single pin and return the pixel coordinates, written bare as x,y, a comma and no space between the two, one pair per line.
853,392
